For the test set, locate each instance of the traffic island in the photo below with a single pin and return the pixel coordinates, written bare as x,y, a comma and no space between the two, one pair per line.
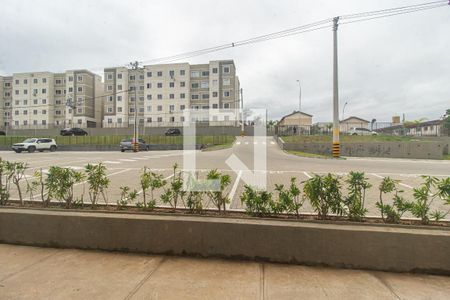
382,247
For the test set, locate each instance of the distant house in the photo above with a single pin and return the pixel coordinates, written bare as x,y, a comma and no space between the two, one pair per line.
347,124
427,128
296,119
295,123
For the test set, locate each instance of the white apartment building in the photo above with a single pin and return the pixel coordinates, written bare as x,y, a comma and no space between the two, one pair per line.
157,95
40,100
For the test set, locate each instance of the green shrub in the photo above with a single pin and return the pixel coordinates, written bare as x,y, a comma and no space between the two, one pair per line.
355,201
257,203
126,196
324,194
219,198
289,200
392,213
174,193
60,183
98,182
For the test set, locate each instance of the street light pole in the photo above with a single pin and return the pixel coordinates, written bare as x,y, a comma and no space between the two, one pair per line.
135,67
336,144
242,112
299,96
343,110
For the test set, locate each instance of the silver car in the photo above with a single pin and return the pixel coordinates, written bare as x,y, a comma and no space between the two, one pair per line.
126,144
361,131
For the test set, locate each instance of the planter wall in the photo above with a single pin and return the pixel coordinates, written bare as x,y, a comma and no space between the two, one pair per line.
376,247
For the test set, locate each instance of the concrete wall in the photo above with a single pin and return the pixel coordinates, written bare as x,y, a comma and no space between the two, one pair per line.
417,150
376,247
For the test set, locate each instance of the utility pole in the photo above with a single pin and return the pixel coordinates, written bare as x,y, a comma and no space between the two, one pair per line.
336,144
242,112
299,96
135,67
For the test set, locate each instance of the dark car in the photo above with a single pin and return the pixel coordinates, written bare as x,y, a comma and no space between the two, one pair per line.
73,131
2,132
173,131
126,144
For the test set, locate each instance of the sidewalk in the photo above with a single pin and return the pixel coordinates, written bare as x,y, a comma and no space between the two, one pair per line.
44,273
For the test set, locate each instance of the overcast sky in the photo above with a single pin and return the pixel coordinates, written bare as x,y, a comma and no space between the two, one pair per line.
387,66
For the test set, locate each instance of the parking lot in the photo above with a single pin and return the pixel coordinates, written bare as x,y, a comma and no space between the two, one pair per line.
123,169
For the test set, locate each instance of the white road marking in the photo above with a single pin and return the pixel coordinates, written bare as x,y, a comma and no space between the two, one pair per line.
246,143
376,175
168,177
234,188
238,143
126,159
140,158
406,185
307,175
111,162
272,143
255,143
263,143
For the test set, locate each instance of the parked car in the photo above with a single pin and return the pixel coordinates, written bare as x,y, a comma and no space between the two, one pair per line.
173,131
33,144
361,131
127,144
73,131
2,132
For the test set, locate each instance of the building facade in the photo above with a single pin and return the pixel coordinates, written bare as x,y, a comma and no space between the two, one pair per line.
158,95
40,100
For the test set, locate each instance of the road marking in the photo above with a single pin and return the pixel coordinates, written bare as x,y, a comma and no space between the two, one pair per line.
111,162
376,175
238,143
141,158
307,175
272,143
168,177
126,159
263,143
255,143
246,143
406,185
233,189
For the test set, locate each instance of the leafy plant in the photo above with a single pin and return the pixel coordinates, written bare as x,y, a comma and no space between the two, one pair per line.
424,196
194,201
152,181
323,192
39,183
218,197
6,175
126,196
98,182
289,200
354,202
175,191
257,203
392,213
18,173
60,183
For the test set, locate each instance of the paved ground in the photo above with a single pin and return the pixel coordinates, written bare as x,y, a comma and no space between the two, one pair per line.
124,168
45,273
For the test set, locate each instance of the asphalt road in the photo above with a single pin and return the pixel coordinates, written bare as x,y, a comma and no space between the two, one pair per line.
124,168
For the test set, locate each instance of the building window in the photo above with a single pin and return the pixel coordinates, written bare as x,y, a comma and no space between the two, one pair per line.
44,101
204,84
132,99
25,92
141,77
110,98
141,98
226,69
194,97
226,105
16,112
182,107
214,94
17,81
110,110
131,110
57,102
141,109
182,84
226,81
36,81
149,97
160,85
119,87
215,105
25,102
80,89
25,122
195,73
119,120
172,119
79,121
44,80
160,73
205,73
17,92
226,93
171,73
214,70
119,109
149,120
35,101
119,76
141,87
149,108
70,89
205,96
171,84
182,95
109,76
7,84
182,119
149,85
70,78
171,107
58,92
109,121
80,78
194,85
17,102
159,96
159,119
159,107
171,96
149,74
182,72
57,112
132,77
44,112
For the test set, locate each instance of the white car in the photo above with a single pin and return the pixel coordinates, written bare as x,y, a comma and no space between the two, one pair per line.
33,144
361,131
